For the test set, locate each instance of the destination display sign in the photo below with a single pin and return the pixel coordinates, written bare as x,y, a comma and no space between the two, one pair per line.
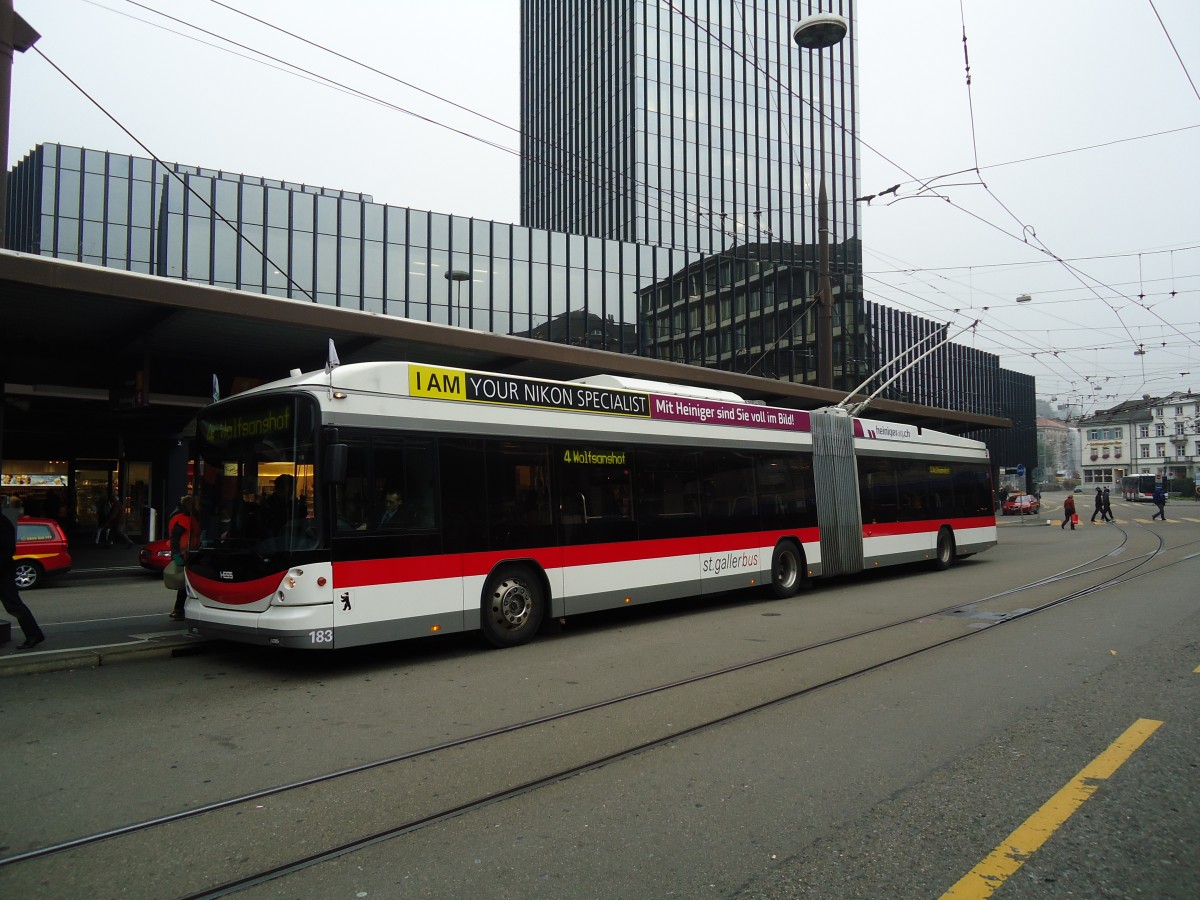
478,387
257,425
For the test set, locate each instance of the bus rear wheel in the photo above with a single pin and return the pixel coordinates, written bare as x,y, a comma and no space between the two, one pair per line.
946,553
787,570
514,605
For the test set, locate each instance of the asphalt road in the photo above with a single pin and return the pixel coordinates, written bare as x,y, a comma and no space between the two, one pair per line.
894,783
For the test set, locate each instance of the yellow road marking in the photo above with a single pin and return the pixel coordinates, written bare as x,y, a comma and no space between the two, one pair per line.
1006,859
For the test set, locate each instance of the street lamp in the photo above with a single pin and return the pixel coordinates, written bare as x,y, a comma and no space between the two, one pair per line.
460,276
15,34
819,32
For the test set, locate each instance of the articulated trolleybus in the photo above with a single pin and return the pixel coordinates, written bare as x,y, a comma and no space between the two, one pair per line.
383,501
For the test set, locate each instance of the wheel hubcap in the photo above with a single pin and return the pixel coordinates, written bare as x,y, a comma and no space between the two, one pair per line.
512,604
786,572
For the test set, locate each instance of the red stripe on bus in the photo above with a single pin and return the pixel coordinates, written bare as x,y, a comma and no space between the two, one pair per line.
359,573
925,526
402,569
236,594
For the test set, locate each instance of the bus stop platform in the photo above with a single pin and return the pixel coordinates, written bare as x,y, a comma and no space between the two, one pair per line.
53,657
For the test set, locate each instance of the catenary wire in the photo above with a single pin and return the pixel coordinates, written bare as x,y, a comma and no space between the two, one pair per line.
444,99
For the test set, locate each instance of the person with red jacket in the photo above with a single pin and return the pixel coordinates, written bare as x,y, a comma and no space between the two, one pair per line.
184,531
1068,513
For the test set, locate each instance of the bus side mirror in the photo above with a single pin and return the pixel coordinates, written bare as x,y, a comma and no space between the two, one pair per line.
334,470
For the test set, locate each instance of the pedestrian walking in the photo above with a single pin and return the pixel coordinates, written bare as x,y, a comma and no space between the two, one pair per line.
1099,511
11,597
184,531
1107,513
1160,500
116,522
1068,513
102,514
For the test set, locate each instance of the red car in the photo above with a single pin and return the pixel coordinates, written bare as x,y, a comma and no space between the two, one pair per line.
1022,505
155,555
41,551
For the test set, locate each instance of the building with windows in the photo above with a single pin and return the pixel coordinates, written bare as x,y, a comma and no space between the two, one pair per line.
1109,442
1171,446
705,130
341,249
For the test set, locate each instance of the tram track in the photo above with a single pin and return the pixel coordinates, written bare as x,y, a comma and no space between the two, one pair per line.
758,688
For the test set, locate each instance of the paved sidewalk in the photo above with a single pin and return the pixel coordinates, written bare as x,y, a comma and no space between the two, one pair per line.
126,641
139,649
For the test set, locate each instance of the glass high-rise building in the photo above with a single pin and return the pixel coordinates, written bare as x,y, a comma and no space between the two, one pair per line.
696,125
700,126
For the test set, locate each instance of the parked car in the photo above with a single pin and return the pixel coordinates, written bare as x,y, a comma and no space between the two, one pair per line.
1022,505
41,551
155,555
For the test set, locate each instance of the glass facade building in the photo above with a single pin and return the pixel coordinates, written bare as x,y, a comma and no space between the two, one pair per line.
701,127
331,247
749,309
696,125
742,309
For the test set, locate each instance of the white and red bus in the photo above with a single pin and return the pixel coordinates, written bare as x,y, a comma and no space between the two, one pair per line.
384,501
1139,486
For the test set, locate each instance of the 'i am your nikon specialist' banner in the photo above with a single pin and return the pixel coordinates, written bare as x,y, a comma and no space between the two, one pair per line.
458,384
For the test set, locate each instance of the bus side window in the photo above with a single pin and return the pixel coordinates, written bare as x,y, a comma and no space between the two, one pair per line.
403,467
463,470
518,495
667,493
877,490
351,494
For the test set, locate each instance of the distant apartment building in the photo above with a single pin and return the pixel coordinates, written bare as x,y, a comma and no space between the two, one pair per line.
1169,443
1108,441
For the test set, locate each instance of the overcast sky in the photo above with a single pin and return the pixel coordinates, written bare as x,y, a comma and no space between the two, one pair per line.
1048,82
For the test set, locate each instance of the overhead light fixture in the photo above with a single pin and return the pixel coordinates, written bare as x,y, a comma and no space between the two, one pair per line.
1140,351
1023,298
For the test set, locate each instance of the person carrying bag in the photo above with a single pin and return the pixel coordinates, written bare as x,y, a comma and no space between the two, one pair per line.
1069,517
184,531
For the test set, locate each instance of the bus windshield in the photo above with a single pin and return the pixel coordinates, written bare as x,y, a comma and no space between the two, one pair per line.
254,476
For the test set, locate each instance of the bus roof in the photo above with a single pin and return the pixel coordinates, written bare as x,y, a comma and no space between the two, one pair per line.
600,397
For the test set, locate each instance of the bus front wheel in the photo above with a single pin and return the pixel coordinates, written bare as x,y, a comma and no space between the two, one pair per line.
514,605
945,549
787,570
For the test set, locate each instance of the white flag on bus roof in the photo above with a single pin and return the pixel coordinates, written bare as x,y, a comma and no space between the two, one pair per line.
332,362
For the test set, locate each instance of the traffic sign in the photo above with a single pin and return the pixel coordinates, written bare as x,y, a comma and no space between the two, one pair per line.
1021,470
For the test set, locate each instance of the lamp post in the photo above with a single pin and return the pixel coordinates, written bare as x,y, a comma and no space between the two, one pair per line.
15,35
819,32
460,276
